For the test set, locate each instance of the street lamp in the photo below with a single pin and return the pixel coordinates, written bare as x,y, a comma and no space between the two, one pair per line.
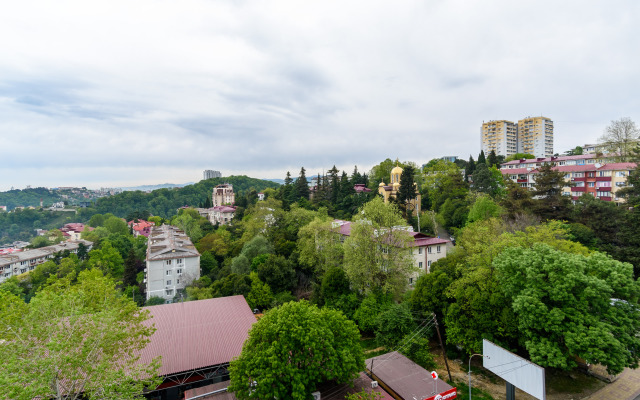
470,371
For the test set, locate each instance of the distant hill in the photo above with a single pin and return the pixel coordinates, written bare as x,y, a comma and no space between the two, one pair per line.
165,202
145,188
280,181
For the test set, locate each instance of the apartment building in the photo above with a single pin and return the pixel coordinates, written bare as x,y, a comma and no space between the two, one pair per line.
209,174
223,195
535,136
499,136
172,262
425,249
22,262
587,173
531,135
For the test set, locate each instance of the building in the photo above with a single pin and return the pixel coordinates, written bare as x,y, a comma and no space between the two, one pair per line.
451,159
425,249
196,340
583,174
531,135
220,215
223,195
72,230
25,261
209,174
172,262
391,190
535,136
405,380
361,188
141,227
499,136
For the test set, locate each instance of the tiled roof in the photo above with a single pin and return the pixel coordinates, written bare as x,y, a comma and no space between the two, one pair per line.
420,239
515,171
198,334
167,242
551,159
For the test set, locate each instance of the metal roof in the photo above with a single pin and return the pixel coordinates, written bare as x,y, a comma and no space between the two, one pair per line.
198,334
404,377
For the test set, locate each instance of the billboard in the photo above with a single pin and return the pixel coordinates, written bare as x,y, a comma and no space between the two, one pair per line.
514,369
449,394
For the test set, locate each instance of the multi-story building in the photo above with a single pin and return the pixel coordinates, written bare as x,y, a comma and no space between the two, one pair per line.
209,174
424,248
499,136
172,262
531,135
22,262
535,136
586,173
223,195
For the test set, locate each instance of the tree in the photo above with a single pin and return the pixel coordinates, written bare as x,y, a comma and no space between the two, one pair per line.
301,187
519,156
485,180
130,270
377,254
107,259
483,208
74,341
393,325
550,202
260,295
470,168
492,160
570,306
281,359
481,158
620,137
319,245
408,191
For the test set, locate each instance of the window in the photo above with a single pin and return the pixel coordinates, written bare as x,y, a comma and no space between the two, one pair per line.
579,184
169,292
566,193
429,250
578,175
620,184
23,262
603,184
419,250
592,184
410,281
604,173
179,271
420,264
621,174
591,174
169,282
179,261
438,249
428,264
169,272
168,262
177,281
577,194
603,194
23,270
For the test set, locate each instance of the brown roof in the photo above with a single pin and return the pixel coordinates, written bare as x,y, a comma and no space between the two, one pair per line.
215,391
404,377
198,334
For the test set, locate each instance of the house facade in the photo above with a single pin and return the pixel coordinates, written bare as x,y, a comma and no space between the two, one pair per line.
223,195
172,262
22,262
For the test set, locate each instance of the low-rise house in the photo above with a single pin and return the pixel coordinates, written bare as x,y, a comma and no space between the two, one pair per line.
172,262
72,230
22,262
141,227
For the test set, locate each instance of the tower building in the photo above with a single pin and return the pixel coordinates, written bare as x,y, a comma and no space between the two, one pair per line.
500,136
531,135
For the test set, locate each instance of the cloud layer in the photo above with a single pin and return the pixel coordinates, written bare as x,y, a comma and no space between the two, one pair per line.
107,93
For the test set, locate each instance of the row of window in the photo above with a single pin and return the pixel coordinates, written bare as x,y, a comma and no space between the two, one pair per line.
169,282
178,271
178,261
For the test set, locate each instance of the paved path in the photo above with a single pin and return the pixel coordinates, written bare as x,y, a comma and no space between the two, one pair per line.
626,387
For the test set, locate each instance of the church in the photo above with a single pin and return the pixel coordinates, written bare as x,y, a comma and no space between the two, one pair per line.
390,191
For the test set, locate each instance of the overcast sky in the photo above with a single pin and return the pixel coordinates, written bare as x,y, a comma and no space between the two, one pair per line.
121,93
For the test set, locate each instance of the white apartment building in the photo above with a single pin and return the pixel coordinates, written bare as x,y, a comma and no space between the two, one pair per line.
172,262
25,261
499,136
208,174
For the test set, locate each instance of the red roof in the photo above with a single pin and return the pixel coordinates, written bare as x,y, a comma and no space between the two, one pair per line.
516,171
551,159
197,334
618,166
574,168
420,239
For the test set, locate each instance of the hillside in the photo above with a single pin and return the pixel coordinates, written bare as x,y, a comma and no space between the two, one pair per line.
164,202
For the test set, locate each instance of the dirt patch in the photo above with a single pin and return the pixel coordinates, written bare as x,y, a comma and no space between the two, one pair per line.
560,386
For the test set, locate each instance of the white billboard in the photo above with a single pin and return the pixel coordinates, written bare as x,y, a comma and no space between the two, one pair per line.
514,369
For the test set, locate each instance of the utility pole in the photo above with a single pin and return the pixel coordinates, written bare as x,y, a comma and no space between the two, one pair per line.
444,353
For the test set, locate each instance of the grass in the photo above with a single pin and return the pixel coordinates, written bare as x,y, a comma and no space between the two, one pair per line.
463,392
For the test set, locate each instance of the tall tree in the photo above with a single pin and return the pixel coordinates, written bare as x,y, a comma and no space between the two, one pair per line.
74,341
620,137
407,190
280,359
481,158
130,272
377,254
550,203
470,168
492,160
301,187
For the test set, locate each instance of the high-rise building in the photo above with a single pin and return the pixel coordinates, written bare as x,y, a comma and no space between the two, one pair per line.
223,195
535,136
500,136
531,135
208,174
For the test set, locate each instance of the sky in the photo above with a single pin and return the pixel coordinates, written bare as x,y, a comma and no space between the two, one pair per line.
122,93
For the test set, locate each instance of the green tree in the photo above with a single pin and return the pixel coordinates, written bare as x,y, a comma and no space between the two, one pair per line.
107,259
519,156
492,160
377,254
74,341
260,295
130,270
280,359
470,168
301,187
481,158
319,245
116,225
483,208
278,272
569,305
393,325
550,203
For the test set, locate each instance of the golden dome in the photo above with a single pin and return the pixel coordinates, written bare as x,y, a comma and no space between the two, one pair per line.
396,170
381,184
396,185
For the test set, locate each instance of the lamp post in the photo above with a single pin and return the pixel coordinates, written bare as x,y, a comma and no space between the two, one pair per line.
470,371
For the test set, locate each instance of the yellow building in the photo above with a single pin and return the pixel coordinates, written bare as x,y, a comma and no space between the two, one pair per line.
535,136
391,190
499,136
